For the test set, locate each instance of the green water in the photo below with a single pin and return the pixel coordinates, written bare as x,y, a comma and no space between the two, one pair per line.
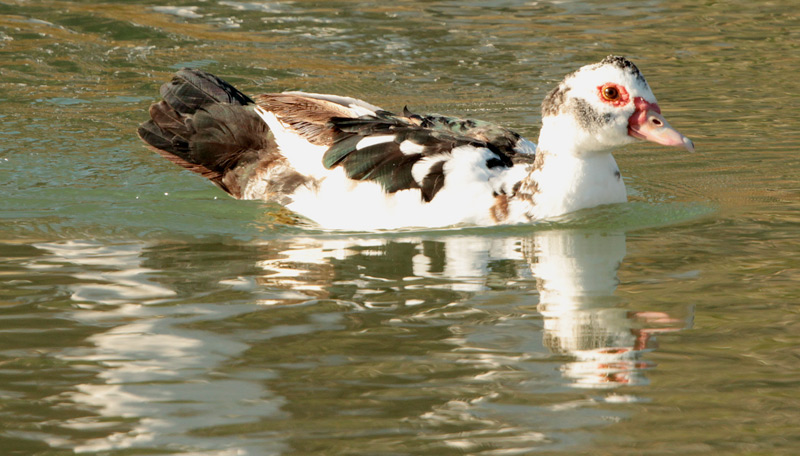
142,311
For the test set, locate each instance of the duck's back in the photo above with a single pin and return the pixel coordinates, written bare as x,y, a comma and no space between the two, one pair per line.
339,161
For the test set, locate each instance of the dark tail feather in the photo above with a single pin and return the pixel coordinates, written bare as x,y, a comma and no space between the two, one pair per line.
192,89
205,125
166,130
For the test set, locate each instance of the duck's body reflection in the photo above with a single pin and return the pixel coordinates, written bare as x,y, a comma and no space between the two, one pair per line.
575,273
488,317
577,276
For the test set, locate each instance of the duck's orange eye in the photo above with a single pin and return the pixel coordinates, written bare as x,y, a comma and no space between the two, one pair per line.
614,94
610,93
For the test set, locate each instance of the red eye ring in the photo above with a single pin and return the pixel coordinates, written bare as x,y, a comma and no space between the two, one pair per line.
614,94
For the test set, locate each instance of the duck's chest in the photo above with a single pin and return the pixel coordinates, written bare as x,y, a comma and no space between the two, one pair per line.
567,184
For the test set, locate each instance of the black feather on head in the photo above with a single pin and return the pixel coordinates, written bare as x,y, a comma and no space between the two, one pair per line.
623,64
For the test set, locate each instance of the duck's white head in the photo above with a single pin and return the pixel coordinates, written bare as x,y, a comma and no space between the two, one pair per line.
602,106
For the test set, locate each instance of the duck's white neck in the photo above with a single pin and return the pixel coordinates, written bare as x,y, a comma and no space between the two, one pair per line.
563,136
571,172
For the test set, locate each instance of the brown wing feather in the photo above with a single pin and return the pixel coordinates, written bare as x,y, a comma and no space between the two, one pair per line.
309,117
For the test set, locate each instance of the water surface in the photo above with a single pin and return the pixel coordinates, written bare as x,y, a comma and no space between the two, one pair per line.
142,311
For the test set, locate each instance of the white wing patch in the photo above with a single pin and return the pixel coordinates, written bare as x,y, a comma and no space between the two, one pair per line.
423,167
410,148
305,157
373,140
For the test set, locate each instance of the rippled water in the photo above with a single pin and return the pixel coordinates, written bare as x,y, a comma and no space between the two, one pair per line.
144,312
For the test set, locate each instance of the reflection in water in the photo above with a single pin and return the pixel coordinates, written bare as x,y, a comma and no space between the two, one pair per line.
157,374
452,320
575,274
577,278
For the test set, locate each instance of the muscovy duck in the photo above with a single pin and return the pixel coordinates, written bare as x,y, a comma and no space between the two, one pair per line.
347,164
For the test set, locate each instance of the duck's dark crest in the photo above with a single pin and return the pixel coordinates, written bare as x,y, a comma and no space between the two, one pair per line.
623,64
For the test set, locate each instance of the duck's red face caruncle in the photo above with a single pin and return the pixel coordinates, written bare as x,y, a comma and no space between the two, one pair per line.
646,122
